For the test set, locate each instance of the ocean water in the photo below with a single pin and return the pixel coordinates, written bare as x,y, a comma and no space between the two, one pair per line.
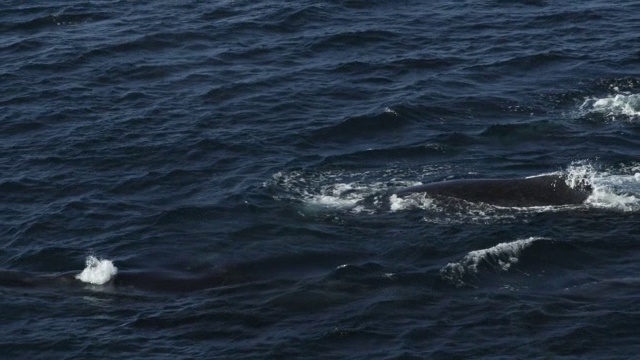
194,179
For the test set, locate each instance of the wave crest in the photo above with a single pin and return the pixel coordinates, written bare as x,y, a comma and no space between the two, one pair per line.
500,257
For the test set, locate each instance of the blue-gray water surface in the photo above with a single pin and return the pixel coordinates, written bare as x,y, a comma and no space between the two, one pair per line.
193,179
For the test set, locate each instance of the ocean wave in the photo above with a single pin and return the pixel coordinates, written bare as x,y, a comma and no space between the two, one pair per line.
53,20
359,37
499,258
362,126
527,132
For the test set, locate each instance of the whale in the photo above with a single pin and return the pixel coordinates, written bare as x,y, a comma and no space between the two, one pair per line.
543,190
152,281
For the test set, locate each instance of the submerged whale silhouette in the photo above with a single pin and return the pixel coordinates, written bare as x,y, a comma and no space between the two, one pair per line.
542,190
142,280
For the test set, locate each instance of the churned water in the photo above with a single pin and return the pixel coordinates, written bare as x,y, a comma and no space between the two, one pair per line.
192,179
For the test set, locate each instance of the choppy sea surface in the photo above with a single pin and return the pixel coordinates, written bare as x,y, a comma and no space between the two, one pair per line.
195,179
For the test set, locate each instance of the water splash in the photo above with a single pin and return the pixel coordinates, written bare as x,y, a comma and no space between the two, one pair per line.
620,107
97,271
615,191
419,201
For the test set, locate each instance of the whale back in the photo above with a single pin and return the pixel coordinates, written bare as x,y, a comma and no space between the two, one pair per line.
535,191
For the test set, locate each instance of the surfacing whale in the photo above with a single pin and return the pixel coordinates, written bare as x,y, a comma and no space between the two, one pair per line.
153,281
545,190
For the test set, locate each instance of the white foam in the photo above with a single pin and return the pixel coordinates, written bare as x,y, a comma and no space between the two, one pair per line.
611,191
340,195
97,271
358,192
616,107
390,111
501,257
413,201
618,192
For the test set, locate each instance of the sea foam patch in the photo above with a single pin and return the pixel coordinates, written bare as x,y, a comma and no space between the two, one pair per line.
97,271
624,107
357,192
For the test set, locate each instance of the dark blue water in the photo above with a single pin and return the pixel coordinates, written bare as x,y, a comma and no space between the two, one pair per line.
235,161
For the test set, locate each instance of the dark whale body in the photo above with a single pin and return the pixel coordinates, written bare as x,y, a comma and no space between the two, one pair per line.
141,280
522,192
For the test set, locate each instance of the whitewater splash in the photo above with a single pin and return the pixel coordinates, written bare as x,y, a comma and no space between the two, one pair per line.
97,271
625,107
500,258
616,191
